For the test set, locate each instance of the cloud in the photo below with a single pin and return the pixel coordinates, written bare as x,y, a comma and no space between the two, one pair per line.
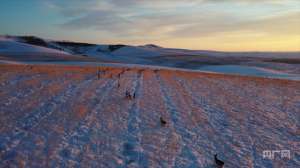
135,19
288,24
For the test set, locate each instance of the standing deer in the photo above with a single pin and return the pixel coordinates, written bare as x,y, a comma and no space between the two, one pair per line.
220,163
162,121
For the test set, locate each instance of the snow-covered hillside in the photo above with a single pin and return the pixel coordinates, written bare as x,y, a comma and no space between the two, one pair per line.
126,52
12,46
29,48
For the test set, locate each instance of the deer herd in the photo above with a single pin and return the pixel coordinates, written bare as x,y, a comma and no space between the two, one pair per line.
132,95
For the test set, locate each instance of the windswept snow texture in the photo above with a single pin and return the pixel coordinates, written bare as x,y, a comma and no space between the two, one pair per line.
68,116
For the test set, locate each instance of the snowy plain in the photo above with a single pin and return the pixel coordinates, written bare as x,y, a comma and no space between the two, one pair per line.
63,104
70,116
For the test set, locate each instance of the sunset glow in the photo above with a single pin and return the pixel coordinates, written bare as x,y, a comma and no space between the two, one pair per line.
228,25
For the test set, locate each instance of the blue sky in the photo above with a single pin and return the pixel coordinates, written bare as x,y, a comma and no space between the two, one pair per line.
196,24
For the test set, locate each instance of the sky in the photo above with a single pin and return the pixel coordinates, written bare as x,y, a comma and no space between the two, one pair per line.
224,25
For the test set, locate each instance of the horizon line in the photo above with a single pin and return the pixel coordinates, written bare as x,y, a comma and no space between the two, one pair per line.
137,45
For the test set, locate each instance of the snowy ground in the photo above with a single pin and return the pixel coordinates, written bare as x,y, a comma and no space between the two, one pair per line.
242,70
249,71
53,116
